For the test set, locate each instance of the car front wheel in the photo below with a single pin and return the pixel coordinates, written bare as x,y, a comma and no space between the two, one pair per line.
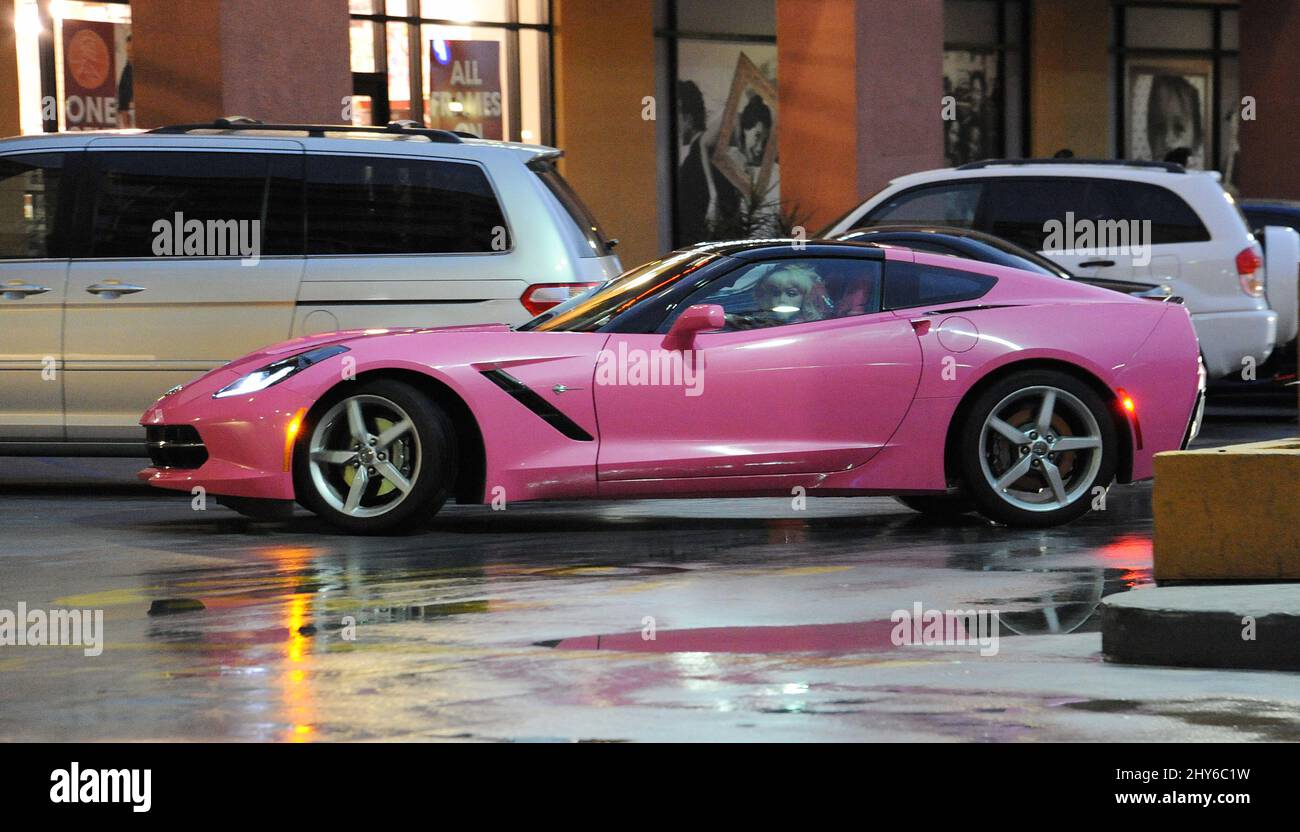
375,458
1036,447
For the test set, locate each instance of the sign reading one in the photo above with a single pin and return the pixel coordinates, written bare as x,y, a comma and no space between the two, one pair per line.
465,87
89,75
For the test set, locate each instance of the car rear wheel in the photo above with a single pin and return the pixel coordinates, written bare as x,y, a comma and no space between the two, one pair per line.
376,458
1034,448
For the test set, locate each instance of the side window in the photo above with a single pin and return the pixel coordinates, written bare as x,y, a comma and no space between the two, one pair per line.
952,204
1172,219
915,284
779,292
199,204
1018,209
29,197
369,205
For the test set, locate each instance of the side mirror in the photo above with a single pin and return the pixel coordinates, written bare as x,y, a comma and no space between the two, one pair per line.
698,318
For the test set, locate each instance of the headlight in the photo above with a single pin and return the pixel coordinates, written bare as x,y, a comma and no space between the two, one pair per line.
273,374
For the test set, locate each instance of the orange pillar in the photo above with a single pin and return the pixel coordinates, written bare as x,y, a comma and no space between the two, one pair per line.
860,85
604,70
9,123
196,60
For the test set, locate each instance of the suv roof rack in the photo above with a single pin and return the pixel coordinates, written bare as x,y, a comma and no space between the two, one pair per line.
394,128
1169,167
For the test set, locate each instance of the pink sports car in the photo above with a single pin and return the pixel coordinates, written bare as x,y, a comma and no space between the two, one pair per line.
759,368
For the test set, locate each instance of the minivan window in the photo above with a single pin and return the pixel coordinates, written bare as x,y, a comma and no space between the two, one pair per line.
597,242
381,205
917,284
29,197
952,204
226,194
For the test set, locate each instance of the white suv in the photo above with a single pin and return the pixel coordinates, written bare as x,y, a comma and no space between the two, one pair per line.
133,261
1199,245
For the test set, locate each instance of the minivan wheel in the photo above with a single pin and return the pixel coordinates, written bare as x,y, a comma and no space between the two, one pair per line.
377,457
1034,447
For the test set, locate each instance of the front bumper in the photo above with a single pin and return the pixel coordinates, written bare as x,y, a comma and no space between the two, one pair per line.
248,440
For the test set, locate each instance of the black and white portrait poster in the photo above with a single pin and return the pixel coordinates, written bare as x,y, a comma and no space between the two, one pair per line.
1168,111
972,126
728,182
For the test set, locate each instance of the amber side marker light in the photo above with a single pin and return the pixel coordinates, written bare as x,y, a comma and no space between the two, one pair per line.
1129,407
291,436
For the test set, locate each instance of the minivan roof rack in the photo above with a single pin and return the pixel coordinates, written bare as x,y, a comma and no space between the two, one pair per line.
1169,167
395,128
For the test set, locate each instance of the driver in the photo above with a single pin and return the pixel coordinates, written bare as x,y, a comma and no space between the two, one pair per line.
788,294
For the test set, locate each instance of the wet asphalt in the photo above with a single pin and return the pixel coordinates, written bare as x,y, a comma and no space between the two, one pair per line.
735,619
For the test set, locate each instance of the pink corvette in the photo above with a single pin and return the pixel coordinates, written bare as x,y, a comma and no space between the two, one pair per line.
760,368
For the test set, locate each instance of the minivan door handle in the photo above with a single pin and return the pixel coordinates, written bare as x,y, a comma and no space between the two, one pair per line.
111,289
18,291
1096,264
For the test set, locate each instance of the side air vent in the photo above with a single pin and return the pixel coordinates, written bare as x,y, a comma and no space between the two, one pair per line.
528,397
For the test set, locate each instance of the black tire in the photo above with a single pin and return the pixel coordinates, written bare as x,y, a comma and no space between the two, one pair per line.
434,477
979,464
938,505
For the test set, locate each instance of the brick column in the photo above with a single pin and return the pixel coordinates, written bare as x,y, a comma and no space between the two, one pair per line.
860,84
1270,40
604,67
197,60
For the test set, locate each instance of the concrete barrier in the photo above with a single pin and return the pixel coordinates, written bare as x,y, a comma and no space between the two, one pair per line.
1228,514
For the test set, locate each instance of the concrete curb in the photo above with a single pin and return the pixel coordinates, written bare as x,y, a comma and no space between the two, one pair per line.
1252,627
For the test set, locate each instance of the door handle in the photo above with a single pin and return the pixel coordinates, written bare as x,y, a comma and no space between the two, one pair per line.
111,289
18,291
1100,264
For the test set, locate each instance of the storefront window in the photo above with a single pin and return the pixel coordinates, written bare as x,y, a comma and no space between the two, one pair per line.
1178,96
726,180
479,66
984,80
74,65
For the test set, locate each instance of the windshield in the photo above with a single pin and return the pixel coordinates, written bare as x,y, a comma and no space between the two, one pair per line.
589,312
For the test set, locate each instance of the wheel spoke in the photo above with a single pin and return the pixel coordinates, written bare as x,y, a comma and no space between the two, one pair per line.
1017,437
389,472
1045,411
333,457
1054,480
386,438
359,483
356,423
1014,473
1076,443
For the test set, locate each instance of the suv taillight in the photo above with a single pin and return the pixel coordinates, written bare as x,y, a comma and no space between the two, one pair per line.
542,296
1248,265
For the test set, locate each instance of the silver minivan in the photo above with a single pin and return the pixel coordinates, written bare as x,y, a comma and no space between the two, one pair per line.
134,261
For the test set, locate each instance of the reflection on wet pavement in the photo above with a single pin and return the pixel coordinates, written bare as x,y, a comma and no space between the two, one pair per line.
531,624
